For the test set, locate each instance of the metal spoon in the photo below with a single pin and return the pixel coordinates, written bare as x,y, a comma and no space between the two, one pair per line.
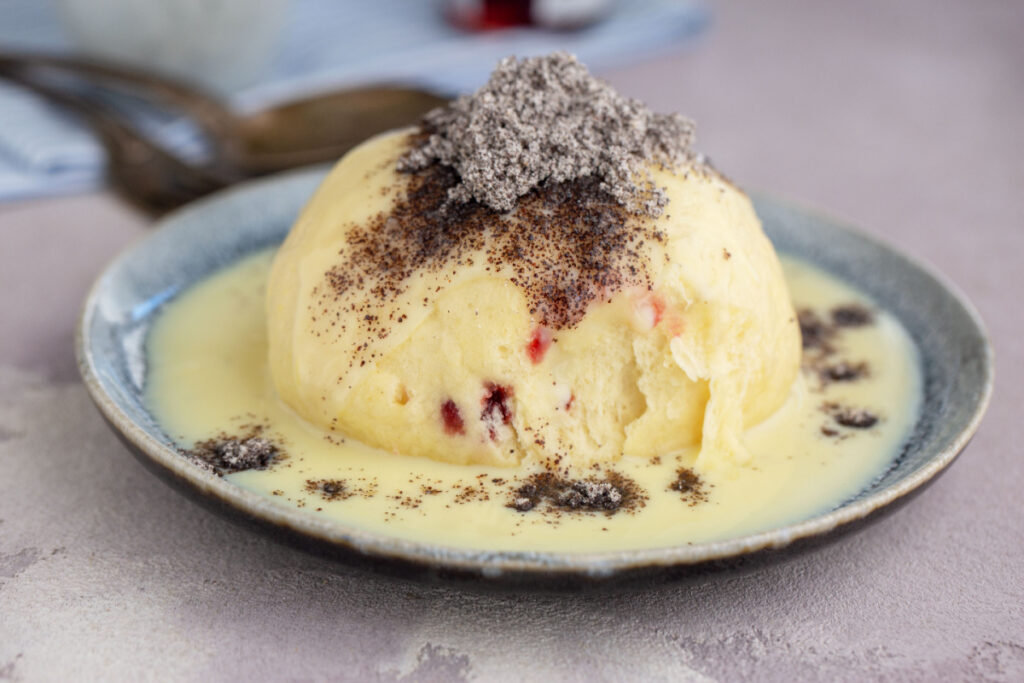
299,133
140,170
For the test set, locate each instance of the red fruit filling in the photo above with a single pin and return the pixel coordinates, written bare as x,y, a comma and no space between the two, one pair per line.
539,343
658,304
452,418
496,409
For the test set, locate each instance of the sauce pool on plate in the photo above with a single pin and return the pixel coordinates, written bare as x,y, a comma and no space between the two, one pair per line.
848,414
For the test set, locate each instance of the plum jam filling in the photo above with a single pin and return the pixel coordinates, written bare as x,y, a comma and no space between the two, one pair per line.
452,418
496,409
658,305
650,310
540,342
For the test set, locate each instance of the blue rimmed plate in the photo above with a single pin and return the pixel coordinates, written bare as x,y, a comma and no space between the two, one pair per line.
197,241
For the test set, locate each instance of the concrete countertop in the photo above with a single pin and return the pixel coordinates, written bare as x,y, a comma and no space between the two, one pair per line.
904,118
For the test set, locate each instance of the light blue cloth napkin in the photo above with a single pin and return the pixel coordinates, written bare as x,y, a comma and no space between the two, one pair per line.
326,44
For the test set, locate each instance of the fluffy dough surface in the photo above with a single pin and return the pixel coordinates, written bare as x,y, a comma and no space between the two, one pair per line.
714,347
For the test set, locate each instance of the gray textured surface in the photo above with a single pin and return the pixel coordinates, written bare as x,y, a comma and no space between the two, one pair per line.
905,120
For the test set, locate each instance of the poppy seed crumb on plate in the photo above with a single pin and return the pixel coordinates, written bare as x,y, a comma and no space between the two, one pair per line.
609,493
847,416
688,483
227,454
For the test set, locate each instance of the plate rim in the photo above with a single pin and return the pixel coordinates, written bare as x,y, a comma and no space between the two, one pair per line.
490,564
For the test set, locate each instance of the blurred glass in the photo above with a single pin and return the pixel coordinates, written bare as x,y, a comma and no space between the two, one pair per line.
487,15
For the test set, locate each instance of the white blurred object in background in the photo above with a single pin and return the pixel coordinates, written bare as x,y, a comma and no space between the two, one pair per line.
218,44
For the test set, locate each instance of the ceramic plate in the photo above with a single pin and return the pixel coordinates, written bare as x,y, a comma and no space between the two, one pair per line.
195,242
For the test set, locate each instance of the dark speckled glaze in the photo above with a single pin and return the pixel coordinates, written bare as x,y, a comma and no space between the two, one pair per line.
192,243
